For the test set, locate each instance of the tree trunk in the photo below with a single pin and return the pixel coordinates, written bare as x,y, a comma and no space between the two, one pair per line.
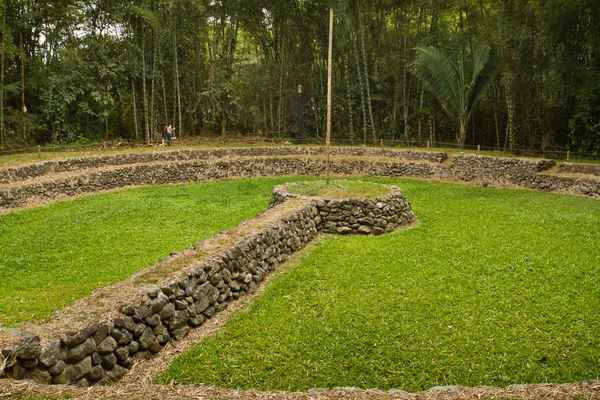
153,134
177,86
135,121
420,120
362,90
349,99
364,54
2,135
145,91
23,108
404,97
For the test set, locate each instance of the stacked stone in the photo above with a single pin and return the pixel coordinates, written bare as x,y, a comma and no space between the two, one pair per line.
102,352
515,170
368,216
32,171
354,216
586,169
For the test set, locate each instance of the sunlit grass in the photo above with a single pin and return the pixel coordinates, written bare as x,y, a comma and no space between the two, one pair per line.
53,255
338,189
492,287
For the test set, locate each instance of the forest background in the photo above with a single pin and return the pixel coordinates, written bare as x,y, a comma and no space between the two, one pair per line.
77,71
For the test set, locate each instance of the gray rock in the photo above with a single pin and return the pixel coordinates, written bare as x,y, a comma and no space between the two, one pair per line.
116,373
181,304
139,329
155,348
128,363
122,337
126,323
365,229
147,339
162,334
122,353
210,311
128,310
344,230
38,376
50,355
79,352
96,359
107,346
97,373
197,320
153,292
57,368
378,231
178,320
101,333
179,334
77,371
134,347
109,360
141,313
167,311
82,335
153,320
158,303
29,347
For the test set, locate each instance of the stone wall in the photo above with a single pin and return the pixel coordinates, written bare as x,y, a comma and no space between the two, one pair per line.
475,169
36,170
586,169
102,352
470,167
353,216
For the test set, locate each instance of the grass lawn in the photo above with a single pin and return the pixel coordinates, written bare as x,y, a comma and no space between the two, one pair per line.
53,255
492,287
338,189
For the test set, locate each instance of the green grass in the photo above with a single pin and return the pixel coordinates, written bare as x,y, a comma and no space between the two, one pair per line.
338,189
492,287
51,256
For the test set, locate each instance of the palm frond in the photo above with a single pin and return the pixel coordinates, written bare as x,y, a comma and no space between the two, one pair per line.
439,75
485,76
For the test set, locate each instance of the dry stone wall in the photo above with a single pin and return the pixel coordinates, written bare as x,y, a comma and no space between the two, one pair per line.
530,174
102,352
16,174
586,169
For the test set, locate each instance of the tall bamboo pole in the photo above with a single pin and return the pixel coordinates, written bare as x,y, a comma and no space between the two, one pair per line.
329,63
23,108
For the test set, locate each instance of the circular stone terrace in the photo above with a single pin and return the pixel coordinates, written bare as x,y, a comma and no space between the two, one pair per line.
168,307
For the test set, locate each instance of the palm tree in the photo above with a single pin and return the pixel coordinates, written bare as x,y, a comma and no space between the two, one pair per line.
456,81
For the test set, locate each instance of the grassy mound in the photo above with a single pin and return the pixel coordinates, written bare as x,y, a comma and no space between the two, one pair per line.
492,287
338,189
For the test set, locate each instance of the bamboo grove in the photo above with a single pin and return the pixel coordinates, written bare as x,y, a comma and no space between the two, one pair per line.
87,70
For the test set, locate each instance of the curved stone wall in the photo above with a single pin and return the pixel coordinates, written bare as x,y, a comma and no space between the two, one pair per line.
101,352
16,174
500,172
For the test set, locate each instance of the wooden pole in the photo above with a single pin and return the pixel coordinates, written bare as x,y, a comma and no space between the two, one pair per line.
428,144
329,63
478,149
39,152
23,108
568,155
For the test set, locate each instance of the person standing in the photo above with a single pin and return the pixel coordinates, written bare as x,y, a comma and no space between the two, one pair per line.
170,131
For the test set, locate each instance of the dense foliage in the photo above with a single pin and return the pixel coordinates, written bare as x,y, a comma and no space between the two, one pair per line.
97,69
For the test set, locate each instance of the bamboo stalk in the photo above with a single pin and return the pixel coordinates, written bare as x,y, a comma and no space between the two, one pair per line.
329,66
